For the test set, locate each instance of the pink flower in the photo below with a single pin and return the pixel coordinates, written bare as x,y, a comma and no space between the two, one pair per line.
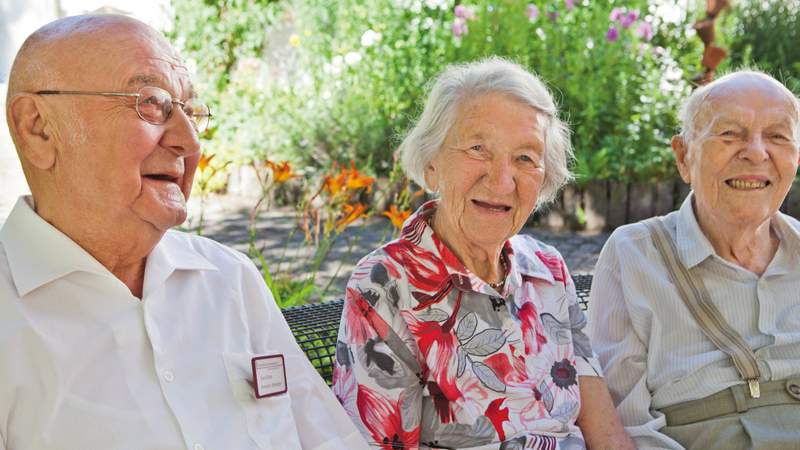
645,31
616,13
532,12
570,4
628,19
459,27
464,12
469,13
612,34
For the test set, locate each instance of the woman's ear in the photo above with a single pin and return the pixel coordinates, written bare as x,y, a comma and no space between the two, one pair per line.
681,150
29,130
432,177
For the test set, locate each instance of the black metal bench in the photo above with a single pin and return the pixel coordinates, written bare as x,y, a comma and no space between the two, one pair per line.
315,326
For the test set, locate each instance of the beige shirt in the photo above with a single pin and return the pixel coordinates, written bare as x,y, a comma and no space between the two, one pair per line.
85,365
653,352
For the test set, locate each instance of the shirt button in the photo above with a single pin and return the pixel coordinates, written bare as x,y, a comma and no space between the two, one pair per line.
198,447
169,376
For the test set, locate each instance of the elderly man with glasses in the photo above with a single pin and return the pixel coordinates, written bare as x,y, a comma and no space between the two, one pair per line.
116,332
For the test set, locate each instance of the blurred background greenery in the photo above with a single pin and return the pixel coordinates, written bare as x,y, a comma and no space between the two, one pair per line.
322,81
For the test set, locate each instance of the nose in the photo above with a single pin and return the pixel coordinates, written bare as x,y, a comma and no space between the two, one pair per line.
180,136
500,176
755,149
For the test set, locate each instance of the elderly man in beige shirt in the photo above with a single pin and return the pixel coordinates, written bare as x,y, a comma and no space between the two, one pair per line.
115,331
698,330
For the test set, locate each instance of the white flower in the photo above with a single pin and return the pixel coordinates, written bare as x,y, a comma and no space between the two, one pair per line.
352,58
370,38
440,4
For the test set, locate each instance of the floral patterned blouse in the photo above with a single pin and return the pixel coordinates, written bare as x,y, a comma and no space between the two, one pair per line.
431,356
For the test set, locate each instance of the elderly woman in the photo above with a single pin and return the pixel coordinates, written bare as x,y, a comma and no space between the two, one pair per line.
462,334
696,315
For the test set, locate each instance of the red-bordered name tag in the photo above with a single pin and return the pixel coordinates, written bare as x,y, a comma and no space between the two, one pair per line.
269,375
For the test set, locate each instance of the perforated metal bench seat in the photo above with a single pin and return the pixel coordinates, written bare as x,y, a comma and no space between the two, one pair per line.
316,325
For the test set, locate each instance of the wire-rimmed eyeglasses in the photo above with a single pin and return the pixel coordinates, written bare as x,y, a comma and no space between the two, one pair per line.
153,105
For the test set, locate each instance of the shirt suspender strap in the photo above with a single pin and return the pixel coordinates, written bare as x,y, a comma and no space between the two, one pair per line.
694,294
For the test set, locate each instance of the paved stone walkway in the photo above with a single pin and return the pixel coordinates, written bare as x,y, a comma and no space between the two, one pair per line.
282,243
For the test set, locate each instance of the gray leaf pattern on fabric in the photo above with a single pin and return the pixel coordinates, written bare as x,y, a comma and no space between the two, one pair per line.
462,361
486,342
513,444
399,378
454,435
487,376
580,340
564,412
410,413
557,330
466,327
547,395
433,315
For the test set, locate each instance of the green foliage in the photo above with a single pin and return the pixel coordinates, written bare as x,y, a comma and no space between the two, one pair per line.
317,81
765,34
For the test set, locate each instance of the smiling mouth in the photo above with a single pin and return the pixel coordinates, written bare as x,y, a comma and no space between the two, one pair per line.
743,185
162,177
492,206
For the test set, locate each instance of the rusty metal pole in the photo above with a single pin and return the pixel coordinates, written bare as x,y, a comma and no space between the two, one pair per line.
712,54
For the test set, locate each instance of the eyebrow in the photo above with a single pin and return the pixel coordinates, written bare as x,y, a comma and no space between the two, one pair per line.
149,80
142,80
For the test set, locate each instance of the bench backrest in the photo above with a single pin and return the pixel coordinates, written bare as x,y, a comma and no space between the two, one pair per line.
316,326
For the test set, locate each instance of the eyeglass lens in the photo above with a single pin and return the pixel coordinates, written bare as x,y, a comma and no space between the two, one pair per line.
155,105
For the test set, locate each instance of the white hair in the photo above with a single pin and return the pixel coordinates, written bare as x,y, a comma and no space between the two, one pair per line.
492,75
687,115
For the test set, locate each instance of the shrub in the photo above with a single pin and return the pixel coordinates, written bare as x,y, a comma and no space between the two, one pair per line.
323,81
765,33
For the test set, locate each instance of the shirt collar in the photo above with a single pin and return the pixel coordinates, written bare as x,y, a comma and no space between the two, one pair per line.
173,252
39,253
418,232
693,245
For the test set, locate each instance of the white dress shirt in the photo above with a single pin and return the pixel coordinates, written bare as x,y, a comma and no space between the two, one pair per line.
654,353
86,365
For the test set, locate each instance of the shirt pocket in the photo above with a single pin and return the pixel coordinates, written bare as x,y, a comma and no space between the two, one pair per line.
270,420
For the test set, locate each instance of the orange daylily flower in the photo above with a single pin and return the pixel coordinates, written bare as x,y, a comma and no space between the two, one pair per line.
397,216
334,184
204,162
281,172
351,214
357,181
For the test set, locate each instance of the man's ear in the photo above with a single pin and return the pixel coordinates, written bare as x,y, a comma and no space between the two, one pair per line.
680,149
26,120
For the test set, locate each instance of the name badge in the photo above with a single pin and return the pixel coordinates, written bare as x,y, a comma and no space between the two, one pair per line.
269,375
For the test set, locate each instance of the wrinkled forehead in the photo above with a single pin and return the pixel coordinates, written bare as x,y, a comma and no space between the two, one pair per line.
749,105
127,60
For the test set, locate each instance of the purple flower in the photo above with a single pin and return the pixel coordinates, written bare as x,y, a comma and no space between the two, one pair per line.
612,34
616,13
553,16
460,11
570,4
628,19
459,27
645,31
532,12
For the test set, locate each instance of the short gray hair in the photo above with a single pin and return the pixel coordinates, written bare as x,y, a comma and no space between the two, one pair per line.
492,75
687,115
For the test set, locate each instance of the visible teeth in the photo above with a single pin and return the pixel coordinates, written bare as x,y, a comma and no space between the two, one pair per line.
742,184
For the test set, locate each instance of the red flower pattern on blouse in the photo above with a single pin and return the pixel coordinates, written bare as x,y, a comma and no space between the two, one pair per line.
437,354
